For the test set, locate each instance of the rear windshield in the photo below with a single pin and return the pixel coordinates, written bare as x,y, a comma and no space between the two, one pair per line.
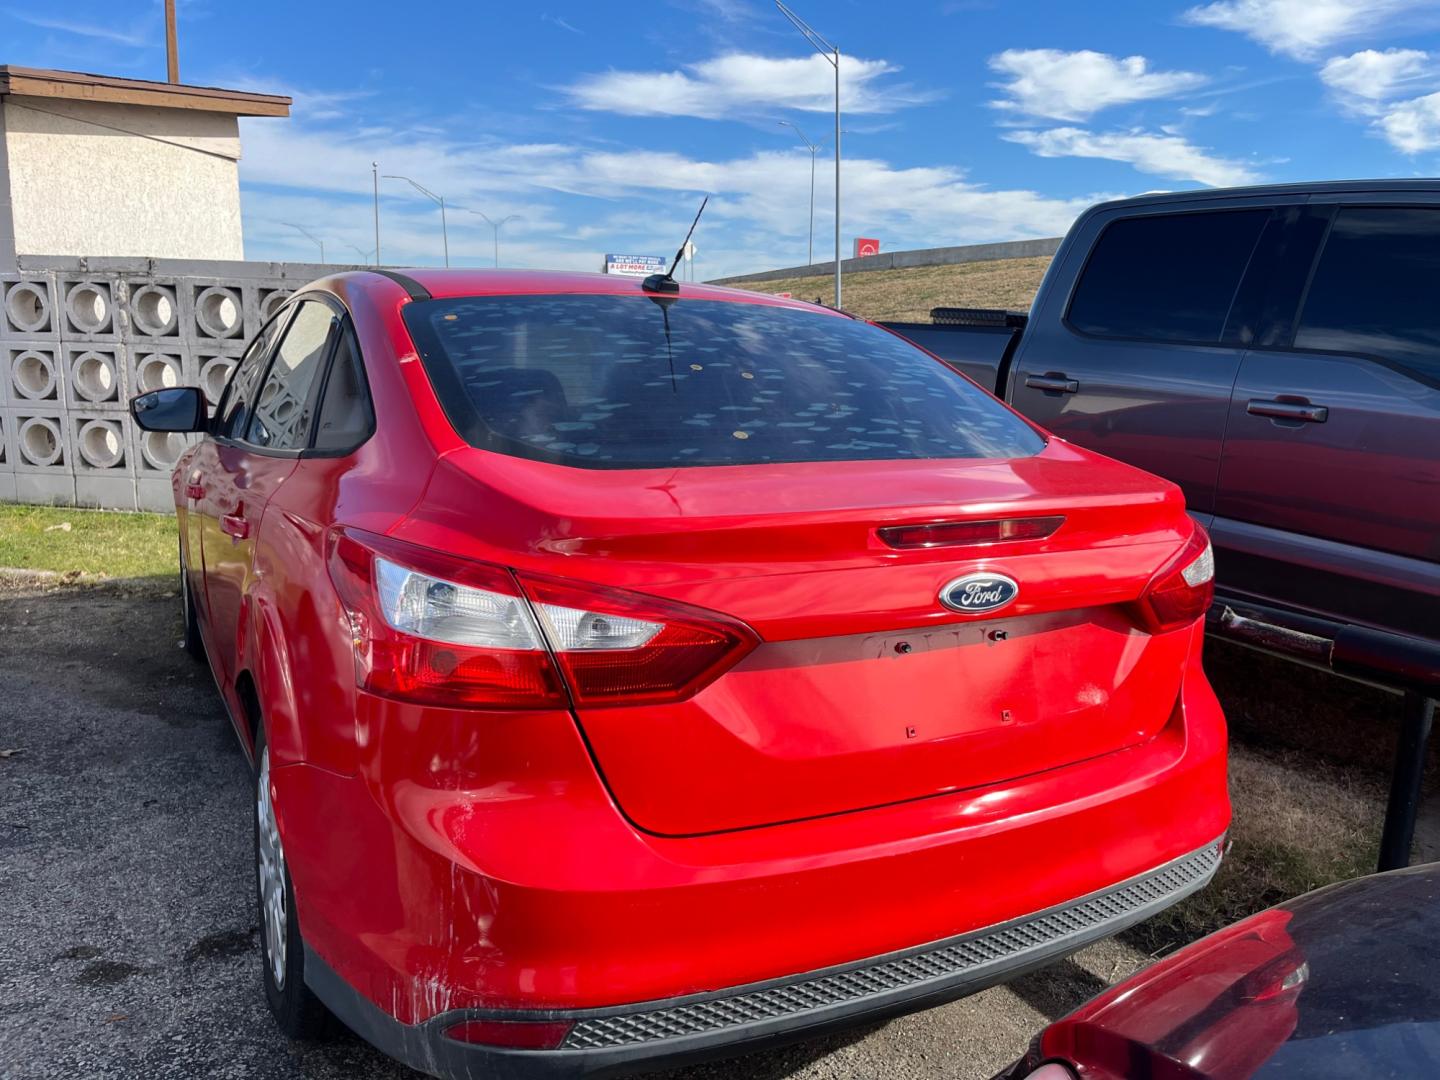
630,382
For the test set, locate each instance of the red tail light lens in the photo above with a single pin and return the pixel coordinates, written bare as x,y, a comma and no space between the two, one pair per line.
1182,591
969,533
431,628
615,646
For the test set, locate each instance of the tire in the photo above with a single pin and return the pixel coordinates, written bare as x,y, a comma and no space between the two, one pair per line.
190,639
297,1010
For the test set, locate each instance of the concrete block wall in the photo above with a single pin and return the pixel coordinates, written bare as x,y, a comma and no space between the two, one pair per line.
80,337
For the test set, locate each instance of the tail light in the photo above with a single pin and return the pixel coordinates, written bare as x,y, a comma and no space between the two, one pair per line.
1182,591
432,628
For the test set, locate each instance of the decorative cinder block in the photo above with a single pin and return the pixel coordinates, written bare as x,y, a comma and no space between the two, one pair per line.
27,308
155,371
94,376
100,443
219,312
154,310
33,373
89,309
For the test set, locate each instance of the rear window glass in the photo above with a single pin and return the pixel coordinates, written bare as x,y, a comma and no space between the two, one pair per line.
1166,277
1375,288
630,382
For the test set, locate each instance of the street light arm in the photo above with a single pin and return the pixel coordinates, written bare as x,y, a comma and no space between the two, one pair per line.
814,147
823,47
418,187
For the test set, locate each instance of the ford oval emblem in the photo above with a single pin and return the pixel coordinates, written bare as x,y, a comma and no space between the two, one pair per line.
977,593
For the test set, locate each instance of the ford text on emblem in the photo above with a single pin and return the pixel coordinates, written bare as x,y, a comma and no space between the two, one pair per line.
977,593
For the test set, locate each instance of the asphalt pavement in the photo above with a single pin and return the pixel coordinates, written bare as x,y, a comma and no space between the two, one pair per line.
129,944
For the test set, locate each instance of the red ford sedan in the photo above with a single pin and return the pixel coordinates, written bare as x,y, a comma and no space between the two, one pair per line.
635,675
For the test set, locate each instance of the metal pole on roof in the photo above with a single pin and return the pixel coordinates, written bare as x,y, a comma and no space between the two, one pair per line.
172,48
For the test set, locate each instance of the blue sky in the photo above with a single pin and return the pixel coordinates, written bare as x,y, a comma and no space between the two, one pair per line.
601,124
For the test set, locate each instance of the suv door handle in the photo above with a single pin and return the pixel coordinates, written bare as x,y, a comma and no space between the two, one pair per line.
235,525
1288,410
1054,381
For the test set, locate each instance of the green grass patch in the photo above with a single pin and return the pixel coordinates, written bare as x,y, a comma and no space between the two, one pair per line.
102,542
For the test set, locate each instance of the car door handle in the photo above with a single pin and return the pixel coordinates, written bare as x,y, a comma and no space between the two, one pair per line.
1054,381
1288,410
194,491
235,525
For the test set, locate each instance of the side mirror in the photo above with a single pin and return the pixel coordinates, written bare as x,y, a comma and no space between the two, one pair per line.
174,408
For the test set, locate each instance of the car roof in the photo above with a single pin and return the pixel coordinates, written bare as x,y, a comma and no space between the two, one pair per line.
1322,187
452,283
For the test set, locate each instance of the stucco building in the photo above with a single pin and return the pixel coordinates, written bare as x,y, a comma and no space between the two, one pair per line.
98,166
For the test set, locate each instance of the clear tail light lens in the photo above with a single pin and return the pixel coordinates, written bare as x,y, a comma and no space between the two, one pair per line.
431,628
1183,590
440,631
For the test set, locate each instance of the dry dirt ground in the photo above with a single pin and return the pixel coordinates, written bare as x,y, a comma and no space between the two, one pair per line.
129,943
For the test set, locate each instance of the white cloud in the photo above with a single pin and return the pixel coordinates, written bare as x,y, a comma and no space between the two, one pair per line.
1373,75
741,83
136,36
629,199
1383,87
1168,155
1413,126
1300,28
1074,85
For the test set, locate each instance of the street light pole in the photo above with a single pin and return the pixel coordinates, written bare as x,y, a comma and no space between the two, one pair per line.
495,227
375,178
814,147
438,200
311,235
832,55
364,255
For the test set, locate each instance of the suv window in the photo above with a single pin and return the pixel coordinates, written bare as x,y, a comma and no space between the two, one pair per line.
1166,277
347,418
232,414
280,418
630,382
1374,290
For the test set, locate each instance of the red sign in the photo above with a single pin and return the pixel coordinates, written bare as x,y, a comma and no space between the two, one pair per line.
866,245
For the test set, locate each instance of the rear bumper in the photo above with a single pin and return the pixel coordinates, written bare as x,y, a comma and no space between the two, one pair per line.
691,1028
499,878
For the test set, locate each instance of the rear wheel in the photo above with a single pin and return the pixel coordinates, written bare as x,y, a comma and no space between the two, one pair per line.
297,1010
190,635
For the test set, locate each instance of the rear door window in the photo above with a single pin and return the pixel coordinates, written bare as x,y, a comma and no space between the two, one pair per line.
1374,291
346,417
280,417
1166,277
631,382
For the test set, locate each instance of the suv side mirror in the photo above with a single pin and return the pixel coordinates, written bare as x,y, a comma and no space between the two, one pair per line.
174,408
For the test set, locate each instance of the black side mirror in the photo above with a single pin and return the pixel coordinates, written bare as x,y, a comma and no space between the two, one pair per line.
174,408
